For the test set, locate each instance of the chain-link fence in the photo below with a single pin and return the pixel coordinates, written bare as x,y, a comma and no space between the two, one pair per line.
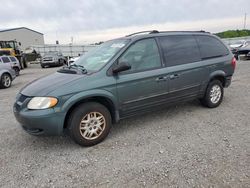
66,50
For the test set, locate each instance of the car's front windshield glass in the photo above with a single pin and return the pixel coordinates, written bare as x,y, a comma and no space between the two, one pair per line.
97,58
50,54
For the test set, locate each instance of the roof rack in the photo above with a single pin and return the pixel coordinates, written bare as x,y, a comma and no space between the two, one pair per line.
202,31
141,32
155,31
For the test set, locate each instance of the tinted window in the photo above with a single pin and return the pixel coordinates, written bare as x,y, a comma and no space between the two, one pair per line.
179,49
12,59
5,59
142,55
211,47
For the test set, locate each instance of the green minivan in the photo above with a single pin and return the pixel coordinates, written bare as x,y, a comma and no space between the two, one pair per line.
124,77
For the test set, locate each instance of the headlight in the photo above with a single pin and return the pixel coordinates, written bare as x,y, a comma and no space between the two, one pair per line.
37,103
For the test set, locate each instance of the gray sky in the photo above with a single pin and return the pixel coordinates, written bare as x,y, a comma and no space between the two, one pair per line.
95,20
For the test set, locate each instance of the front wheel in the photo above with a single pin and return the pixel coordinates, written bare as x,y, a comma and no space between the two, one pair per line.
214,94
5,81
89,124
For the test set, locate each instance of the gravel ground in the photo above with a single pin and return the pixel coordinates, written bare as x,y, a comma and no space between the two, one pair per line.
182,146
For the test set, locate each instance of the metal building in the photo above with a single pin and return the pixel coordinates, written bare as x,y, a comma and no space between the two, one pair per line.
26,36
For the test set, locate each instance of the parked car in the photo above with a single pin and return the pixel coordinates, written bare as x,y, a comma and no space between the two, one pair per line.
53,59
13,61
7,75
238,44
124,77
73,59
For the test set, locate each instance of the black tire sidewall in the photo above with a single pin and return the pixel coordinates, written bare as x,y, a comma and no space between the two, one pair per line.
1,81
76,116
207,99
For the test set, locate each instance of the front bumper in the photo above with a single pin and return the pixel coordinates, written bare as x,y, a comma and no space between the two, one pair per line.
39,122
49,63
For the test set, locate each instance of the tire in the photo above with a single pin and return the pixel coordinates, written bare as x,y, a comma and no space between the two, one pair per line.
214,94
91,131
5,81
17,71
43,66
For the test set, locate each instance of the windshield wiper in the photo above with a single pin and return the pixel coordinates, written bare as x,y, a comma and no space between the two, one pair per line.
79,67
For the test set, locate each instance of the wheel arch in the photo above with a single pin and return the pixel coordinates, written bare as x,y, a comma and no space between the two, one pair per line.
218,75
6,72
106,101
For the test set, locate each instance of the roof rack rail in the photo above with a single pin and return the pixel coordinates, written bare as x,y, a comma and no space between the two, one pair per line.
202,31
155,31
141,32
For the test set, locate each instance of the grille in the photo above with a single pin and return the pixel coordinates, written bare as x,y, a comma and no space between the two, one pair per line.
21,98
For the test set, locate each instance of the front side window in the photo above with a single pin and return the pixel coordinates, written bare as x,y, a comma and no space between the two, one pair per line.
142,55
97,58
5,59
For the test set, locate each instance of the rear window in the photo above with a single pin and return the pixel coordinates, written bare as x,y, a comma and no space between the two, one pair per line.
5,59
12,59
179,49
211,47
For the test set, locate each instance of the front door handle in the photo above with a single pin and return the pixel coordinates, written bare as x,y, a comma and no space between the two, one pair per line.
162,78
174,76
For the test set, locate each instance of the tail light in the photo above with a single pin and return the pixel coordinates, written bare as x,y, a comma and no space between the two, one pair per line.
233,62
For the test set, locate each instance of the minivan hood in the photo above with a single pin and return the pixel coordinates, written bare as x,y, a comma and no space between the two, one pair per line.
43,86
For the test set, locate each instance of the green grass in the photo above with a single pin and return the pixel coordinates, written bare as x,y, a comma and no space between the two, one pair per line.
233,33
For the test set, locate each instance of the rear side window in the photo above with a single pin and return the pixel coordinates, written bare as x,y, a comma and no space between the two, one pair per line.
5,59
179,49
12,59
211,47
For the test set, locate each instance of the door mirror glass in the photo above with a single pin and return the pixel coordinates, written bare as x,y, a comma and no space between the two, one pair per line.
122,66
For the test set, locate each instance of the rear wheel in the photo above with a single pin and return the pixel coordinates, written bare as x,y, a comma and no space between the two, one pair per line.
89,124
214,94
5,81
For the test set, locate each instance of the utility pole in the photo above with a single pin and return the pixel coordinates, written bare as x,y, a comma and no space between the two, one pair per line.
245,20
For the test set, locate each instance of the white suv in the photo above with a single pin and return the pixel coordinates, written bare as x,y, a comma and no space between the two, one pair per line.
13,61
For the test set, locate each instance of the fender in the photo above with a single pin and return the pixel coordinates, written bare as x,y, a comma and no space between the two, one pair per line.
87,94
217,73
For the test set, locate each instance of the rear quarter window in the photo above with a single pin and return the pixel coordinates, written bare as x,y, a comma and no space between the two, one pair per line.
211,47
13,59
179,49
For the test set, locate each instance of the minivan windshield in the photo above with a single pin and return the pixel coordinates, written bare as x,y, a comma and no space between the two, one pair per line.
97,58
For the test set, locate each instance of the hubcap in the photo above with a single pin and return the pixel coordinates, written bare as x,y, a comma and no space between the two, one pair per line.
6,81
215,94
92,125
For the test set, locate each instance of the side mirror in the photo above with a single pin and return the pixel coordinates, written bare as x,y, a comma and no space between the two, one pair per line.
20,43
122,66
